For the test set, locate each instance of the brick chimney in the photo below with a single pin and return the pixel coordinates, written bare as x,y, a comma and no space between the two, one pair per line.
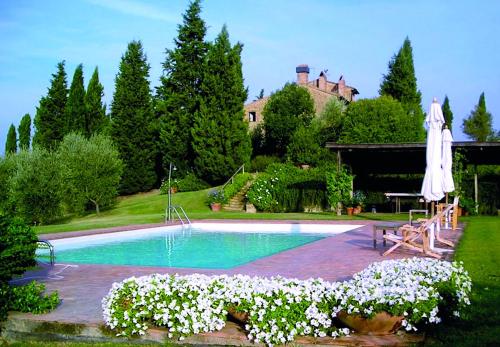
341,86
302,74
322,81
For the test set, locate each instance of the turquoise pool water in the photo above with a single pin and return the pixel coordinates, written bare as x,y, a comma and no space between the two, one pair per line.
192,249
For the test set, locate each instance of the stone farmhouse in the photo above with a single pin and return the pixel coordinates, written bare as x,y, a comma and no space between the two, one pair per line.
321,91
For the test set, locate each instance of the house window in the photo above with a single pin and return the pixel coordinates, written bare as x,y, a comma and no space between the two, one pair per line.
252,117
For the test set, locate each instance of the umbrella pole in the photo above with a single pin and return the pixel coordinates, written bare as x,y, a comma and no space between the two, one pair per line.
446,201
432,209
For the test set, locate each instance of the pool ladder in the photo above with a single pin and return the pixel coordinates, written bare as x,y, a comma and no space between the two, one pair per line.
174,209
45,244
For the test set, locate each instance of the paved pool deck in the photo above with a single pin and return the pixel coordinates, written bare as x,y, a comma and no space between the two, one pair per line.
82,287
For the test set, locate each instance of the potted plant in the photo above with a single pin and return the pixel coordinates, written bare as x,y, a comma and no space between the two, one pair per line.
215,199
358,201
174,186
349,204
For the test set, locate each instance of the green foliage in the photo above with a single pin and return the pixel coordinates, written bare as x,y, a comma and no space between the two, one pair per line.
7,169
24,130
380,120
5,295
329,121
91,171
17,247
96,120
216,196
258,140
284,112
132,121
447,113
236,185
401,84
50,119
338,185
179,95
220,139
11,143
286,188
400,81
304,147
75,106
31,298
35,187
478,126
261,162
191,182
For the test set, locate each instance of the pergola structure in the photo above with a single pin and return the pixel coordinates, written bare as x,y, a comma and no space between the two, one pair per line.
408,158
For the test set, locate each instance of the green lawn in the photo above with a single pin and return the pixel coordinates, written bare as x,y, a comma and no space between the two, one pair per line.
479,249
150,207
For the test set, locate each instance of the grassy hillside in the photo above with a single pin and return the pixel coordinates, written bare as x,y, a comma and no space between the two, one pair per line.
150,207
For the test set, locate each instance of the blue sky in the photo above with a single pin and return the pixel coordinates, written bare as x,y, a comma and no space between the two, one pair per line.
455,45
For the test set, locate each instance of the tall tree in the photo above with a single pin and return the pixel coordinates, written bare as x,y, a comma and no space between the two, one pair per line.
180,90
401,83
75,107
478,125
96,120
285,111
50,118
221,142
11,143
24,130
448,115
131,117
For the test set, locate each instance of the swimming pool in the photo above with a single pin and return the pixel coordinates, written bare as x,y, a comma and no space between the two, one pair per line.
204,245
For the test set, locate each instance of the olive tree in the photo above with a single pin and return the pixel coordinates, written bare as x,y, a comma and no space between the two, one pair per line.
91,171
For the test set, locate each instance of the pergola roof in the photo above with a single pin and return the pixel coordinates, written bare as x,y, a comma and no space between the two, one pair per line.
396,158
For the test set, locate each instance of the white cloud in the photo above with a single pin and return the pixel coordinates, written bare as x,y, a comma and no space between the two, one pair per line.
136,9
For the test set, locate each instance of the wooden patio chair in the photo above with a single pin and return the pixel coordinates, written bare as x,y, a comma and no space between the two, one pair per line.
415,237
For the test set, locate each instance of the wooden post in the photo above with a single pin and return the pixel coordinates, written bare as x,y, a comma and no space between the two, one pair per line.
476,192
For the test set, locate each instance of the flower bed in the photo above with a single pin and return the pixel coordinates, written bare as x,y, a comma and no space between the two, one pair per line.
279,309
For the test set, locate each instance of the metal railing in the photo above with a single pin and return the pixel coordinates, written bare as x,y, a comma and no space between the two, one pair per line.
231,179
45,244
175,209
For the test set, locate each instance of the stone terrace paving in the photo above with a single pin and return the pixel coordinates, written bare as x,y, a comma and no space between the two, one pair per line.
335,258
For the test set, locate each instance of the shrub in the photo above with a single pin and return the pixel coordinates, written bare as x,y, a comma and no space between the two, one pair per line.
36,186
238,183
191,183
17,247
285,187
30,298
261,162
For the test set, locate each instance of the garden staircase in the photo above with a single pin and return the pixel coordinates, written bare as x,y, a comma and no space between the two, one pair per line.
237,202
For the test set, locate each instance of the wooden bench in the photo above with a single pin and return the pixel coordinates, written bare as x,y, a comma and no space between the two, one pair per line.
384,227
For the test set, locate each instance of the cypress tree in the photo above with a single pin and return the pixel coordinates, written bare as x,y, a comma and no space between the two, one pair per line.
401,83
11,143
75,107
96,120
180,89
24,130
448,115
221,142
131,117
50,118
478,125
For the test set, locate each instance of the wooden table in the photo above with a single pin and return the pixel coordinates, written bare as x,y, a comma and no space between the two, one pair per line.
398,197
384,227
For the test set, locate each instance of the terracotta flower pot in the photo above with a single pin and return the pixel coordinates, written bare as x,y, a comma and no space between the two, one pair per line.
173,190
357,210
215,206
350,211
382,323
240,317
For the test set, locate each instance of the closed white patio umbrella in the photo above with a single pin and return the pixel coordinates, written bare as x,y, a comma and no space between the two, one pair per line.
432,187
448,184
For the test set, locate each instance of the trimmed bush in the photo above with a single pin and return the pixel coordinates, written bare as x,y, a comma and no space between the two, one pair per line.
191,183
238,183
261,162
31,298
